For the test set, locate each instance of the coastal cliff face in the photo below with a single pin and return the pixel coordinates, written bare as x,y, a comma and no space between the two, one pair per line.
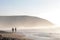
26,21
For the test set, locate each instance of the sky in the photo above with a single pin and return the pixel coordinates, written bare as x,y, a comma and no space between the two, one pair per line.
47,9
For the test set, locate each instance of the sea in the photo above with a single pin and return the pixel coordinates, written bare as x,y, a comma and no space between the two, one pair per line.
40,34
37,34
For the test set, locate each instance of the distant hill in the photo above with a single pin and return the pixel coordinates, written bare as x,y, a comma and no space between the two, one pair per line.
26,21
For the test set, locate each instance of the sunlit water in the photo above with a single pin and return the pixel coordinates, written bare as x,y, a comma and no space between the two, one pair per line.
39,35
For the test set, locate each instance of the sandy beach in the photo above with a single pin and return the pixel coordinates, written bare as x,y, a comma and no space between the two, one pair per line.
12,36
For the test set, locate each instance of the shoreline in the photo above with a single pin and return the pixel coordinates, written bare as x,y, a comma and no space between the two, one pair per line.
15,36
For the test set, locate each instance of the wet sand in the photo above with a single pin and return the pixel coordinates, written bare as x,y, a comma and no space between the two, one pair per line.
13,36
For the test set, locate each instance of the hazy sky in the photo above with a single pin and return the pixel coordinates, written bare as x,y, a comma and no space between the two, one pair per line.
48,9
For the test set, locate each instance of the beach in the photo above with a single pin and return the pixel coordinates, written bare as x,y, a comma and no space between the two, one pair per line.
31,34
37,34
12,36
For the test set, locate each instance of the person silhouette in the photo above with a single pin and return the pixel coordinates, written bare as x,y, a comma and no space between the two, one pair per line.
12,29
15,29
